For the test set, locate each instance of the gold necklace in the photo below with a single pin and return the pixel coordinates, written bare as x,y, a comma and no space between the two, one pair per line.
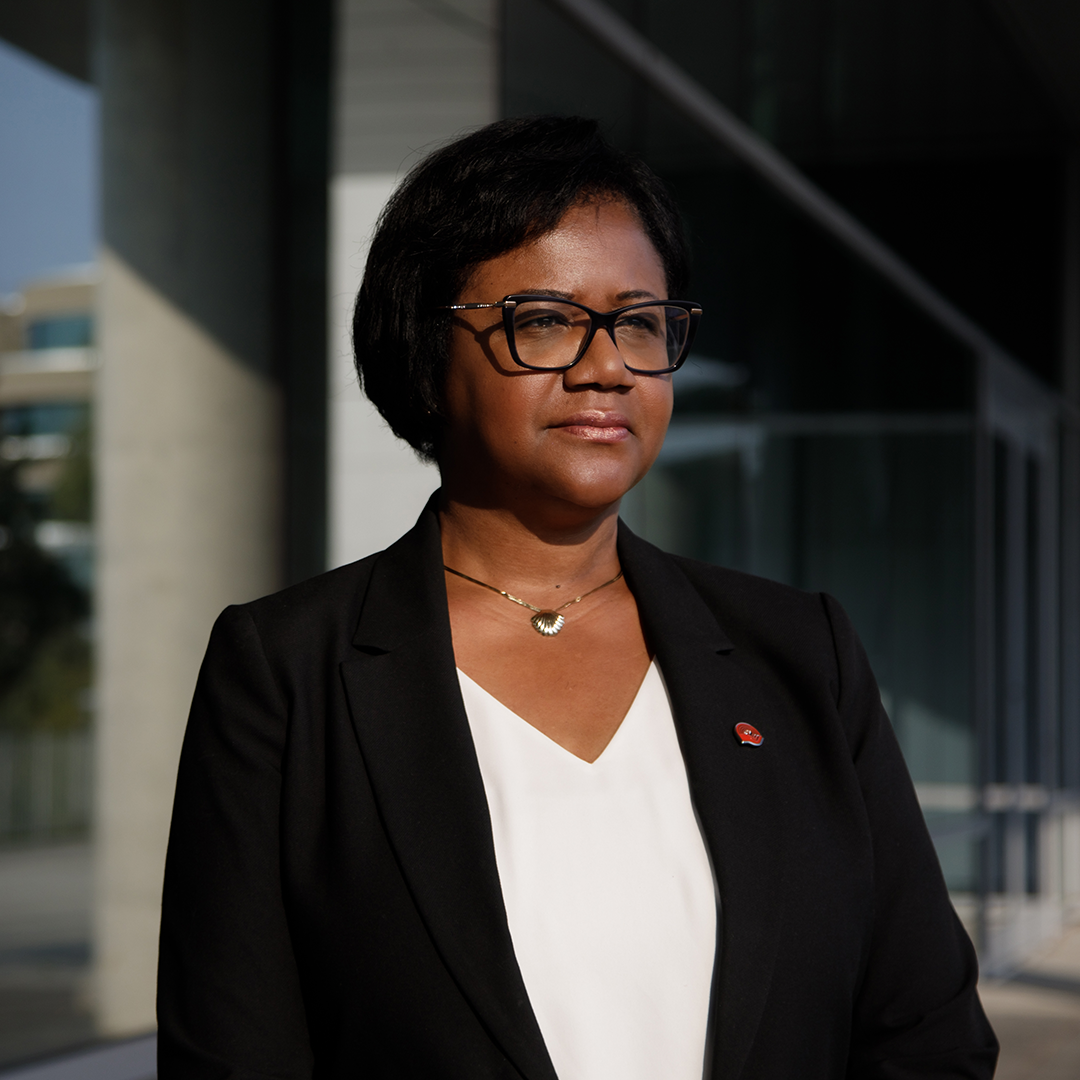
546,621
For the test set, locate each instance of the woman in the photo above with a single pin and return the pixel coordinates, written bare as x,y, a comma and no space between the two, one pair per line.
522,796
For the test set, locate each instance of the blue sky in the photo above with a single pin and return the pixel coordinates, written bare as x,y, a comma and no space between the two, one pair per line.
48,169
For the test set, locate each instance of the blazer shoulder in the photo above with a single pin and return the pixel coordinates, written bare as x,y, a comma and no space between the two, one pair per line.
742,601
808,635
777,624
795,633
310,616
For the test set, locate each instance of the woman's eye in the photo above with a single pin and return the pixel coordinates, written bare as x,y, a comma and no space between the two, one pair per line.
643,324
537,322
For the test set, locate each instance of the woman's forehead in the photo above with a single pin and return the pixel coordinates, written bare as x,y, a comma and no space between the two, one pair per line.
596,244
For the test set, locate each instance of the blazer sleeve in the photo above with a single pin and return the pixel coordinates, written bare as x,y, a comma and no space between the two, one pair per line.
229,997
917,1011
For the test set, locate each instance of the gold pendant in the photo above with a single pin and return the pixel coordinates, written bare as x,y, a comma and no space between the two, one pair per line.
548,623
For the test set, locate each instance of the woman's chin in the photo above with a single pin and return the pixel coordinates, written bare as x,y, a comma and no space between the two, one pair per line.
592,493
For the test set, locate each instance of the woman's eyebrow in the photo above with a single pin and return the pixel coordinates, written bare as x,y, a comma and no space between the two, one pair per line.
546,292
629,294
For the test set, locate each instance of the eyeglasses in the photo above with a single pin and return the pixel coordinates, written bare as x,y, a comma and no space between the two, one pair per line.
547,333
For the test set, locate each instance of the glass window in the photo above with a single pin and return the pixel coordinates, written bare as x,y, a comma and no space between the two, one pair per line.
59,332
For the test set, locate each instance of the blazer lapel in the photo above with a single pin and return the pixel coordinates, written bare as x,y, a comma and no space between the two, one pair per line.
414,735
736,788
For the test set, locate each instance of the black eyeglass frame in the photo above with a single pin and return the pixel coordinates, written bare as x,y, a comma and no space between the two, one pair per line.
597,320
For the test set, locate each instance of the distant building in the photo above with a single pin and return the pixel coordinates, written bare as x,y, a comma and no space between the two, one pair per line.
47,363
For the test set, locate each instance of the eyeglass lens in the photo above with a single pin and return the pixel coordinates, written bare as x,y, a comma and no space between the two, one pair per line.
551,334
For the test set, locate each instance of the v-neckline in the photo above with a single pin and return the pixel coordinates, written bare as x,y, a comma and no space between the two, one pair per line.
555,743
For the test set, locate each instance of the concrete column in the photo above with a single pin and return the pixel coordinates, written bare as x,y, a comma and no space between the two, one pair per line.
189,428
411,74
188,481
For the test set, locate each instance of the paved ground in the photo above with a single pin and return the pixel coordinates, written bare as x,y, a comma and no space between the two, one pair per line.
44,950
1037,1015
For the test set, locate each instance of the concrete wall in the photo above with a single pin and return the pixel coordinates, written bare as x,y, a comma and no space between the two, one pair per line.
410,75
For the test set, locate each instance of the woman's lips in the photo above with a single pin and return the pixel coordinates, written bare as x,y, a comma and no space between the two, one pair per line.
597,427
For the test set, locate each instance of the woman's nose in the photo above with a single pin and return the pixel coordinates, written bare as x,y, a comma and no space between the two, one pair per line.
602,364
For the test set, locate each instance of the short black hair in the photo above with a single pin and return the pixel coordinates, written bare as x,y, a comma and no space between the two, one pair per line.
475,199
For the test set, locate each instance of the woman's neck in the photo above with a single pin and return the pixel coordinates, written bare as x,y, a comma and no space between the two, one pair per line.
505,549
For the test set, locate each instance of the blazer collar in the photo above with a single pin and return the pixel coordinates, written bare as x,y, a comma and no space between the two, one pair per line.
736,788
414,734
406,708
406,596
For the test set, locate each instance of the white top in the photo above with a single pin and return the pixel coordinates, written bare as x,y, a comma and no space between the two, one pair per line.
608,888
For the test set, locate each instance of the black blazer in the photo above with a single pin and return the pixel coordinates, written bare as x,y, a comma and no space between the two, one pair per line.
332,903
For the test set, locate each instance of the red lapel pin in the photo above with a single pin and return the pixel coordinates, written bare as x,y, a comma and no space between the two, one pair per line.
749,736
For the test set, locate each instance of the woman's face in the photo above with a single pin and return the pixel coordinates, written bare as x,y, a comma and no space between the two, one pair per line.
581,437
